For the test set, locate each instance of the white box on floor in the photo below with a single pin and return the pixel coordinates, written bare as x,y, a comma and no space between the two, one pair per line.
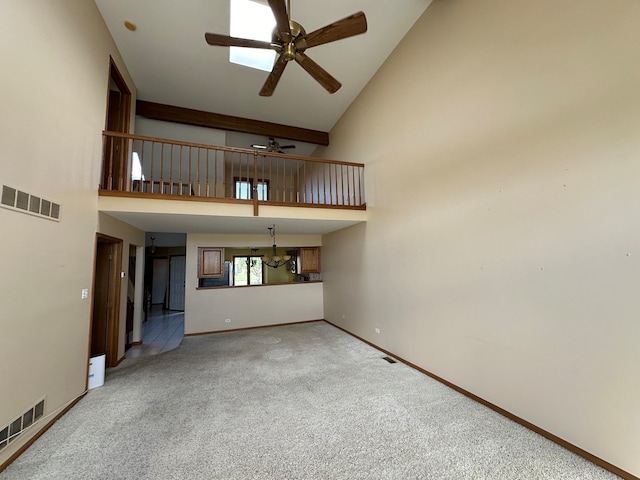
96,371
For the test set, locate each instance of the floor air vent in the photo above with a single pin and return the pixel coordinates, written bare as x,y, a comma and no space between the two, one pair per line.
25,202
389,359
10,432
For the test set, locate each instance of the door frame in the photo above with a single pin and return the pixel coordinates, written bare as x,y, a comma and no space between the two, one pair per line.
111,180
113,319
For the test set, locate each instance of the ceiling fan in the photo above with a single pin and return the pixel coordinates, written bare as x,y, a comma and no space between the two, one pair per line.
273,146
290,40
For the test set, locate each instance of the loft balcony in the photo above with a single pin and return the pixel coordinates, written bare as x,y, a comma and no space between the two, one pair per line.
155,176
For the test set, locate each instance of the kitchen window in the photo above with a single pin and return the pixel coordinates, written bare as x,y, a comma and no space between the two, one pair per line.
247,270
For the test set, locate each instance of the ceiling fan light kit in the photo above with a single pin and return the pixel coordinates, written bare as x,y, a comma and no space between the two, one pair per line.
290,40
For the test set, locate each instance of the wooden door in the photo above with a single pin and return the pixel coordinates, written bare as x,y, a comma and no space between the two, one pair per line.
131,289
115,165
105,315
101,305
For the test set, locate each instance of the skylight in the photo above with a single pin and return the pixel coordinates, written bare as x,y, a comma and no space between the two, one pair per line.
253,20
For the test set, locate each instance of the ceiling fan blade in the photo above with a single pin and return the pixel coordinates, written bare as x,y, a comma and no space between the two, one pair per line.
287,146
318,73
279,9
261,147
345,28
274,77
226,41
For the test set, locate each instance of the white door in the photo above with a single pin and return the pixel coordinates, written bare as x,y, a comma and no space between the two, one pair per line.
176,282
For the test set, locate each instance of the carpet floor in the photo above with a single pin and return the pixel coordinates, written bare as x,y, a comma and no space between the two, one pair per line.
304,401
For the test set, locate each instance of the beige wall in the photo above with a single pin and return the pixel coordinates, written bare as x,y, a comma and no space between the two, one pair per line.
53,91
501,248
206,309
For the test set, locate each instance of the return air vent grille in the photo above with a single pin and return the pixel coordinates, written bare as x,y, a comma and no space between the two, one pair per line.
25,202
34,204
9,432
22,201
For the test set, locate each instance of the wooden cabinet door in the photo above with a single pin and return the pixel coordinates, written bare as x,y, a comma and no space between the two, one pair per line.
210,262
310,260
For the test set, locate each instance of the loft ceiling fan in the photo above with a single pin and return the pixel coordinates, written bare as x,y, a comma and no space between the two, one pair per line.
290,41
273,146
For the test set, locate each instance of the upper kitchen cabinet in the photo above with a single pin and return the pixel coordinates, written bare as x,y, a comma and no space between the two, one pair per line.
309,260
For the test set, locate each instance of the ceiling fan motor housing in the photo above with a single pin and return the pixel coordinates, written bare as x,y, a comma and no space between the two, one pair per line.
290,43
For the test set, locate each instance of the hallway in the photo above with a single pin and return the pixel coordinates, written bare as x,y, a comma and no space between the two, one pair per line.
163,331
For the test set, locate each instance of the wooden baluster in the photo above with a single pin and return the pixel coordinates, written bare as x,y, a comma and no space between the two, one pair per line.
111,153
266,182
353,179
255,183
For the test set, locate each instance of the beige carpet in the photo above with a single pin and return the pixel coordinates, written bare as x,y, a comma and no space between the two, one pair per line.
302,401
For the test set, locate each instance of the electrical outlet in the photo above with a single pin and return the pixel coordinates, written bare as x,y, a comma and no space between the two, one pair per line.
377,330
227,320
85,293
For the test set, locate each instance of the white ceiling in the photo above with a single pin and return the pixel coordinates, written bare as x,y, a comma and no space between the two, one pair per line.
171,63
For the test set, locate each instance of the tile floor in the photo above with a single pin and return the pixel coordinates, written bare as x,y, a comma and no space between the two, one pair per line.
163,331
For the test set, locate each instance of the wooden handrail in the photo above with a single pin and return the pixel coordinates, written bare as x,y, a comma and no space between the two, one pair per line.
227,149
219,173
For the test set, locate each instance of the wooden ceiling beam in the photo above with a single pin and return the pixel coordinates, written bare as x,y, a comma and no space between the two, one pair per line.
187,116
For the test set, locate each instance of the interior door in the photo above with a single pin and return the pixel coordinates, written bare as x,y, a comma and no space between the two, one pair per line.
177,270
101,304
105,316
115,165
131,293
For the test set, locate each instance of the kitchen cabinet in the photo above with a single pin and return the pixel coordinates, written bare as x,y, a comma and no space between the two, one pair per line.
210,262
309,260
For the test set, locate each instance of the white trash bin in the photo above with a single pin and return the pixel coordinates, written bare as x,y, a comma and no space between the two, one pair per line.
96,371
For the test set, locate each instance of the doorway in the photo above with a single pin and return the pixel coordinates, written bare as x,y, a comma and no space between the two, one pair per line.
105,317
114,164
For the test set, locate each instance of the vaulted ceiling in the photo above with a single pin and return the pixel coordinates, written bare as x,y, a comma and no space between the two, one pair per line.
171,63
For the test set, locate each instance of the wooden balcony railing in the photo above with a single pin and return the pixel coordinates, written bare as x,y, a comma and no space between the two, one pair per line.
150,166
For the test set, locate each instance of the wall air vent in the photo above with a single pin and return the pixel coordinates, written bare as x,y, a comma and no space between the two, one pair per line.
20,201
8,196
10,431
34,204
